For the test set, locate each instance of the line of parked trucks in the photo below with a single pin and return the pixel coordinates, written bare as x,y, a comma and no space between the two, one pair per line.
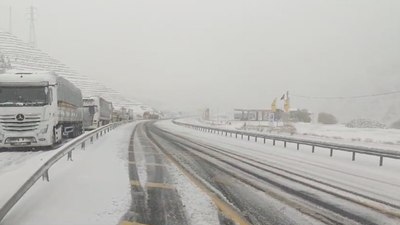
39,109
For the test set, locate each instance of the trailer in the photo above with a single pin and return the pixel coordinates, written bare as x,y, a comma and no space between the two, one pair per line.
99,109
131,115
38,109
120,114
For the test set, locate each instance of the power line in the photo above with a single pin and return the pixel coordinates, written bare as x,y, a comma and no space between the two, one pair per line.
32,32
349,97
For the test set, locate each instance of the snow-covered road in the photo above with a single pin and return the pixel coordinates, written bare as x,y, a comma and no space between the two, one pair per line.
319,186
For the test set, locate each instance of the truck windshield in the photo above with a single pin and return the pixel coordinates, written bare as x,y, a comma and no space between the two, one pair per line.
24,96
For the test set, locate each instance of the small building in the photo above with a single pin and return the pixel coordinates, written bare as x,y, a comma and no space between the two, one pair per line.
252,114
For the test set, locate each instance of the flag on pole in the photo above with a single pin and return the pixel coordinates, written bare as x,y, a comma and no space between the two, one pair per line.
273,106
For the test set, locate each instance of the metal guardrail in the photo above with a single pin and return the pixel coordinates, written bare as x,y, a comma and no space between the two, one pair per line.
381,153
43,171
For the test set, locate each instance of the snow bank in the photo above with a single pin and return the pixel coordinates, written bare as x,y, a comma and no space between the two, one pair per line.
16,168
93,189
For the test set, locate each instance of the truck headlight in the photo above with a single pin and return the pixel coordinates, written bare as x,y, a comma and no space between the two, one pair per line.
44,130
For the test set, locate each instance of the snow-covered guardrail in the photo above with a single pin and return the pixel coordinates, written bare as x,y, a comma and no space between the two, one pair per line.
65,150
381,153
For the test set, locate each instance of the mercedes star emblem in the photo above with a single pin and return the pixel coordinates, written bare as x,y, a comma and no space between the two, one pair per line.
20,117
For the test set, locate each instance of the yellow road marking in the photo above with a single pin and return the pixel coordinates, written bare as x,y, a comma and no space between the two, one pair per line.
135,183
159,185
131,223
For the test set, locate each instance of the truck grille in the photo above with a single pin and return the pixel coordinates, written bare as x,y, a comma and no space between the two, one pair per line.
29,123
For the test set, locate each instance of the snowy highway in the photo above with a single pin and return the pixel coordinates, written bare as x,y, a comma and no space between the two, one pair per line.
270,185
157,172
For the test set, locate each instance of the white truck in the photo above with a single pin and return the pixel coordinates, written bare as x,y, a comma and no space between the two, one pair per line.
100,111
38,109
131,115
120,114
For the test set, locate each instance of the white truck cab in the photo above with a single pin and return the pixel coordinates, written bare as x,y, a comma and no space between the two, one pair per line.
100,111
37,109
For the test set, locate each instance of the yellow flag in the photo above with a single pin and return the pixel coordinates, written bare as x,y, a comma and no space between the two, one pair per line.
287,105
273,106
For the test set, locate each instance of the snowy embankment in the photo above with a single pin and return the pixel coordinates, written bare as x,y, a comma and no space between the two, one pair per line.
370,137
16,167
93,189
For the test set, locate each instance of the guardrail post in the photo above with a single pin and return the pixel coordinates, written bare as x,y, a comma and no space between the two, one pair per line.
273,142
242,135
226,133
256,139
313,149
298,146
381,161
264,140
83,145
97,136
69,156
331,152
91,140
284,144
248,137
46,176
354,156
230,133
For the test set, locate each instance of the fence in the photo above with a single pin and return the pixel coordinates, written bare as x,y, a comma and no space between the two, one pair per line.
381,153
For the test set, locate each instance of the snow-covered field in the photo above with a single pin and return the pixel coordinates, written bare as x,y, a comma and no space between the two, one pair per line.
93,189
371,137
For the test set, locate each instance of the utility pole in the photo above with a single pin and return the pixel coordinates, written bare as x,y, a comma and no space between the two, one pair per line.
10,21
32,32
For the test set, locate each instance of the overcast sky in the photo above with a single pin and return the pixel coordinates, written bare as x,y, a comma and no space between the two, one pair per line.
191,54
